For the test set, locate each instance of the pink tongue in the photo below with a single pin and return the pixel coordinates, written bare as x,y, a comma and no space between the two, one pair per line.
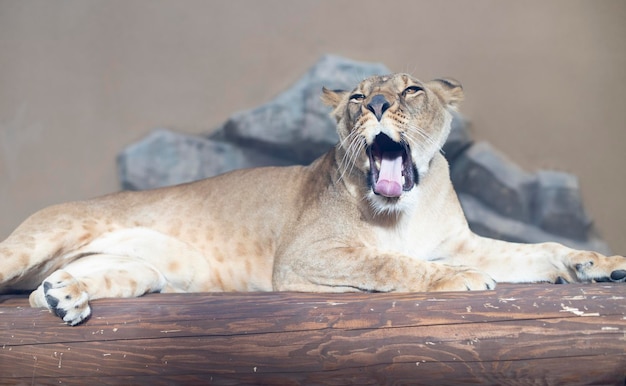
389,182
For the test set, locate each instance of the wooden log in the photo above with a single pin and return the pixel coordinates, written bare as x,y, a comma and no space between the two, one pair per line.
517,334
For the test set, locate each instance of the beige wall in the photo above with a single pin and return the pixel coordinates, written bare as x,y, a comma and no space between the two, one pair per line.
79,80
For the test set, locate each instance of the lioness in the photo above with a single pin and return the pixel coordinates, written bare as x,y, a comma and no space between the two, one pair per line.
376,213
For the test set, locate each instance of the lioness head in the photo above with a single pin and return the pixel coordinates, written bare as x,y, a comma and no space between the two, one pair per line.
390,127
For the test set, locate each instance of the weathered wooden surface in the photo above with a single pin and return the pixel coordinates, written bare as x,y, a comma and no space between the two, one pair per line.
518,334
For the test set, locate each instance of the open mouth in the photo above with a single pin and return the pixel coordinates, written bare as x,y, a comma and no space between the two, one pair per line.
391,167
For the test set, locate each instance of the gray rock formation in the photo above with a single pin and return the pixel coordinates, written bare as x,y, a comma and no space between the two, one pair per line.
500,200
487,175
296,125
558,207
166,158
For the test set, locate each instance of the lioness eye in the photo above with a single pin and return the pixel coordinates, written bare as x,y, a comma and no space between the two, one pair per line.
357,97
411,90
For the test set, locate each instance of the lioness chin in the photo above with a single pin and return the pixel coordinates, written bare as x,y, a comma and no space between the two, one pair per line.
376,213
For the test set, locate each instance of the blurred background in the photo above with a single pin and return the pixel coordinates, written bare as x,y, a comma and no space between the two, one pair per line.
80,80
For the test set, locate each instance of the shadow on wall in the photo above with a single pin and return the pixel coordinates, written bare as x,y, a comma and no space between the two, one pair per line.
500,200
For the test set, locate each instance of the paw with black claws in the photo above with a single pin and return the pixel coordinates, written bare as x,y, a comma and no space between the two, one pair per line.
595,267
63,295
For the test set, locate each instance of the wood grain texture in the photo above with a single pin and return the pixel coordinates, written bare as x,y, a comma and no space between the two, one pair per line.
517,334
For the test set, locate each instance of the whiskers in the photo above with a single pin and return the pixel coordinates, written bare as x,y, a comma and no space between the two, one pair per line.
353,146
416,136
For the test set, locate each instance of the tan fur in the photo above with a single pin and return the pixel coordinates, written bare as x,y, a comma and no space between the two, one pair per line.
314,228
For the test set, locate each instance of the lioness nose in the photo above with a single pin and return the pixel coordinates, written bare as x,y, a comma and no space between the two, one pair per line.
378,105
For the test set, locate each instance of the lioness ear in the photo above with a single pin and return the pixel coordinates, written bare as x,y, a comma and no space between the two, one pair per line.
449,90
332,97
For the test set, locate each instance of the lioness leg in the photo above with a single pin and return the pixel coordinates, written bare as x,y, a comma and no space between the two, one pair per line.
44,241
546,262
371,270
67,292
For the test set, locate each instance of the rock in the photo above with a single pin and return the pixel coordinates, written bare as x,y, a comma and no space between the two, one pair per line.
489,176
166,158
296,125
488,223
558,206
537,207
500,200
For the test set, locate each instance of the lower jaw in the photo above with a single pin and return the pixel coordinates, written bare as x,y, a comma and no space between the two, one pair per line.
382,206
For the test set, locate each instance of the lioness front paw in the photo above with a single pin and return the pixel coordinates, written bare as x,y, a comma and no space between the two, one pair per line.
464,279
593,266
62,294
